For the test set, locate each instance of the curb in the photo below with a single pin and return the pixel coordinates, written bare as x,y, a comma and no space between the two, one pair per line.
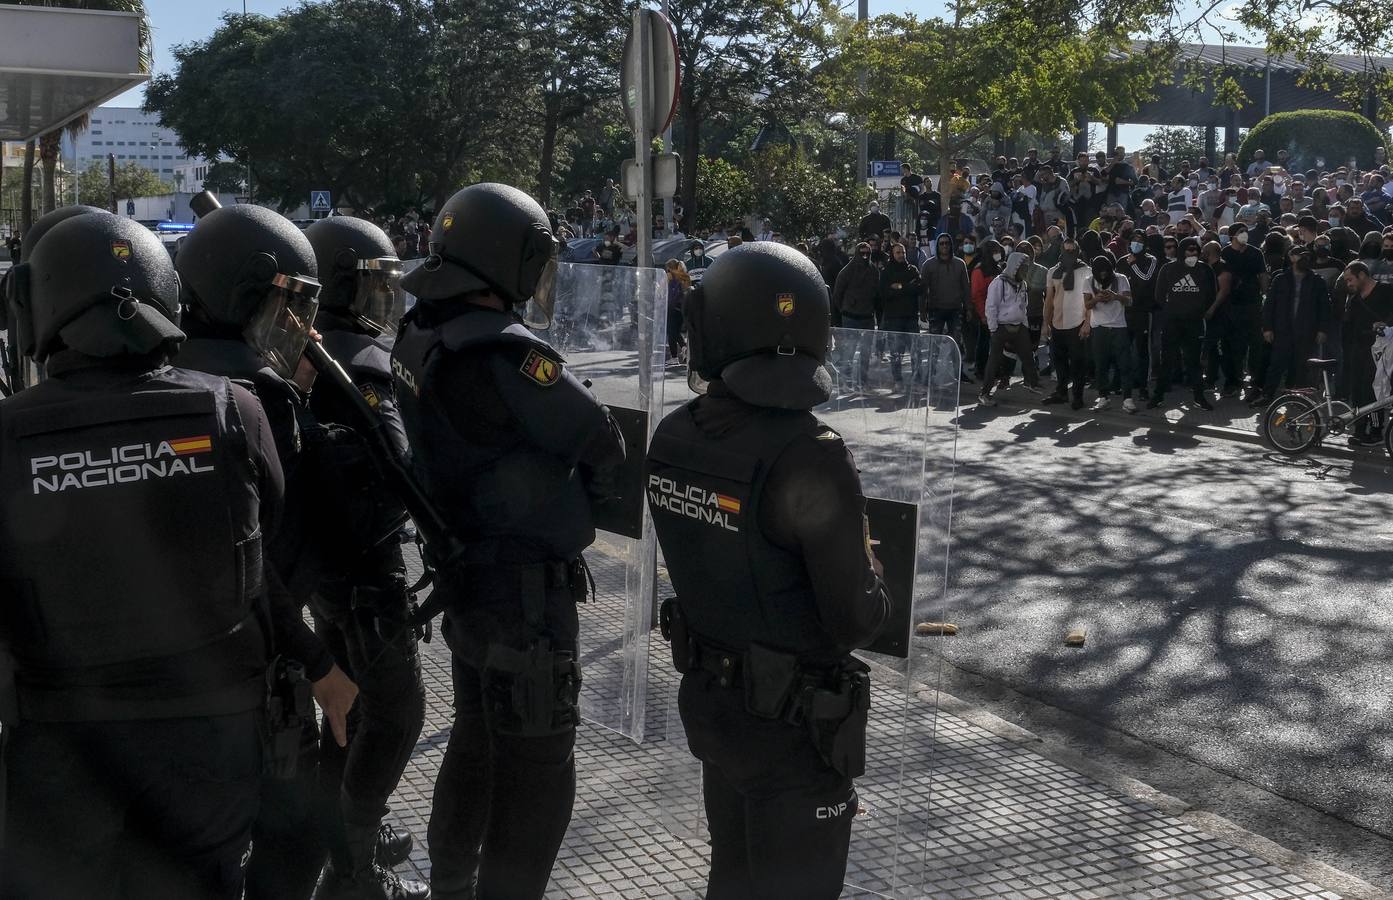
1303,865
1221,432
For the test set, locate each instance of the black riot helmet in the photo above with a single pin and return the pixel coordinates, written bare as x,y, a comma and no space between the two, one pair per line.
15,287
359,271
490,237
248,270
760,321
104,286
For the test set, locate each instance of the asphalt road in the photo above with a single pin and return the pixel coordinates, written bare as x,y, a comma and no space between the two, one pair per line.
1238,612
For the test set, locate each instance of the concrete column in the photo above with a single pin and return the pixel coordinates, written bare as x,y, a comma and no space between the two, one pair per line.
1081,134
1112,137
1231,132
1211,144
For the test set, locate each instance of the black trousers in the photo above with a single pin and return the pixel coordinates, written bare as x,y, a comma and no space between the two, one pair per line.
1070,362
1181,342
502,802
145,809
780,818
289,843
902,345
368,634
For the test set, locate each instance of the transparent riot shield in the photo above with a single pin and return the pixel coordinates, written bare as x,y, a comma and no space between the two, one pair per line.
609,322
895,405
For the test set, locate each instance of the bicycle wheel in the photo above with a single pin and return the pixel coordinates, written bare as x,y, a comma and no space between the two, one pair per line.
1293,424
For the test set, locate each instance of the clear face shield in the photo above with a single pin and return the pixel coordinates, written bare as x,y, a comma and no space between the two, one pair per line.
379,302
281,326
537,311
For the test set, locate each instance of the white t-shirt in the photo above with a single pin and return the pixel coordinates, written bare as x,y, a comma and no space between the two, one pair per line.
1111,314
1068,304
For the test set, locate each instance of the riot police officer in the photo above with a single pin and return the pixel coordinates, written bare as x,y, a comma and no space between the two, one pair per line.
511,445
250,297
759,512
135,498
361,607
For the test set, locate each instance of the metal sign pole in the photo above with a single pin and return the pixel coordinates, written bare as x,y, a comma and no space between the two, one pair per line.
670,226
643,144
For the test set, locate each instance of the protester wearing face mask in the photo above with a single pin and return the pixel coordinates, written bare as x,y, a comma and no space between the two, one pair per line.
1381,268
897,309
697,258
1140,269
1105,322
1007,323
854,299
1185,290
1241,325
947,293
1063,326
983,267
1295,322
610,251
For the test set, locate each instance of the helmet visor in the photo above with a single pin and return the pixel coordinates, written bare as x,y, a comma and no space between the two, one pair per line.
379,301
537,313
281,326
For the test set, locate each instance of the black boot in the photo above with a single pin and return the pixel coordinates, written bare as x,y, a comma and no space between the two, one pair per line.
366,879
394,843
1203,401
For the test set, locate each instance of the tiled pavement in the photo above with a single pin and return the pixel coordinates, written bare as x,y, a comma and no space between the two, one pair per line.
993,817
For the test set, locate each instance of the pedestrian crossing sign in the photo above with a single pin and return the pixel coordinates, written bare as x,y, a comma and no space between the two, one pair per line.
319,201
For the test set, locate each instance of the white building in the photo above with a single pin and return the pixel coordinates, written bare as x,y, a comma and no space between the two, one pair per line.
188,175
133,136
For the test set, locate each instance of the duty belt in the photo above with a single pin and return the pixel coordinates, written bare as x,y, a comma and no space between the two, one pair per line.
818,692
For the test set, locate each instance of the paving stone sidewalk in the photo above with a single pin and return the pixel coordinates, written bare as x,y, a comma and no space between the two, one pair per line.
994,817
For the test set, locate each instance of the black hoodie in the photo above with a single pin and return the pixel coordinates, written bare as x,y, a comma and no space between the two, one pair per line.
1186,292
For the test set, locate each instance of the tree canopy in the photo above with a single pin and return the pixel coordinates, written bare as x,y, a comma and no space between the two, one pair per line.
132,180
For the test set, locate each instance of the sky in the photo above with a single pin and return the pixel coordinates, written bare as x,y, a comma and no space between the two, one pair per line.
176,22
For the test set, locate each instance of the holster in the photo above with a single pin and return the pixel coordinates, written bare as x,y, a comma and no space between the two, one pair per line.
836,717
289,710
673,627
769,679
533,692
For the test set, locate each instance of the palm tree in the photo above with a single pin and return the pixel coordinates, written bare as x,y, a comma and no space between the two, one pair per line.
50,144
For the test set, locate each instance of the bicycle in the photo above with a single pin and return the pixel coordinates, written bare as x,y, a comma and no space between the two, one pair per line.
1298,420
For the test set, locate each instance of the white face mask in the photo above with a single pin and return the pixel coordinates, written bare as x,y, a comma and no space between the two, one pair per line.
1192,261
1241,238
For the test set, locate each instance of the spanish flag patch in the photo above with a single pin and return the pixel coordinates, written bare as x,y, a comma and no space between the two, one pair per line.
538,368
185,446
727,503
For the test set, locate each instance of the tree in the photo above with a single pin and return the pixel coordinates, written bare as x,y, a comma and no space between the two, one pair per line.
802,201
570,52
50,144
737,54
1333,136
986,72
727,193
226,178
389,104
132,180
1175,145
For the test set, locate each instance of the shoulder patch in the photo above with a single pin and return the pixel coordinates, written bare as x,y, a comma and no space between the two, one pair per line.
538,368
828,434
370,395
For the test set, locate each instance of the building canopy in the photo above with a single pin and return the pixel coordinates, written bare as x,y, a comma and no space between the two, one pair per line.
56,64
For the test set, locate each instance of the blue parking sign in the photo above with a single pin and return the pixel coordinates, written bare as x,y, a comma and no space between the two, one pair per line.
886,168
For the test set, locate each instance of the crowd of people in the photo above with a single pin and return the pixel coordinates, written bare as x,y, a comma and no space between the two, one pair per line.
1123,278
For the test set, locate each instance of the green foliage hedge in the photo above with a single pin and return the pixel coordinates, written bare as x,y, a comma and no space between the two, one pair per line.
1309,134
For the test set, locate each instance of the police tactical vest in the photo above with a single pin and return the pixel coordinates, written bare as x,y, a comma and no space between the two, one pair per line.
704,491
356,511
129,520
507,499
